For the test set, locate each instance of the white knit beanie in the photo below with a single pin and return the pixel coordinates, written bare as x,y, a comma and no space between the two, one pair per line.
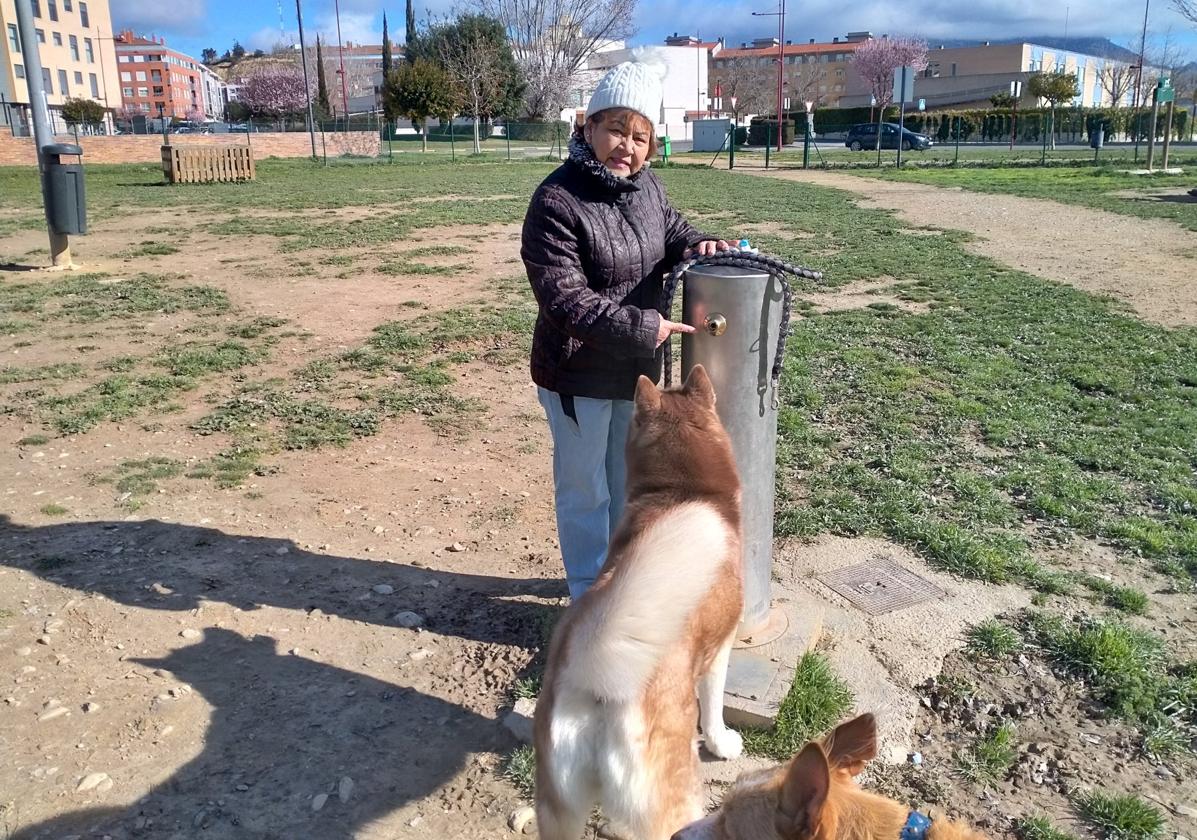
632,84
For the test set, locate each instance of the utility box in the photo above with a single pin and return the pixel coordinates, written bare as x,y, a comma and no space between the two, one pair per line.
63,189
710,135
666,146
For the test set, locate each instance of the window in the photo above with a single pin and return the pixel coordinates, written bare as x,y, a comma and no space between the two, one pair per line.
127,92
88,51
57,37
95,86
155,75
143,91
83,14
19,70
74,47
141,75
67,5
13,40
37,8
47,83
62,83
158,91
41,35
126,76
953,68
78,78
52,5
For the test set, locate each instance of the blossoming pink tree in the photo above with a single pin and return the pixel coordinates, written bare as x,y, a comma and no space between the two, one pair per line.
276,92
876,61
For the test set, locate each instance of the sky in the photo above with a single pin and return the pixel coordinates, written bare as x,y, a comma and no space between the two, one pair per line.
191,25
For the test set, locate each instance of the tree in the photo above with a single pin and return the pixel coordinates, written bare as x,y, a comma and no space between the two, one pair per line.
387,58
1187,9
1055,87
209,55
409,35
323,108
1116,78
275,92
419,90
238,51
259,53
553,39
474,51
752,85
1002,99
80,111
875,61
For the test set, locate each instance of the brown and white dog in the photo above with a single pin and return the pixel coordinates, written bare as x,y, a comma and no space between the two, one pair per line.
814,797
616,720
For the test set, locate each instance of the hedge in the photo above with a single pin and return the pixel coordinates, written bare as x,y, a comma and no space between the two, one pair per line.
548,131
762,132
1029,124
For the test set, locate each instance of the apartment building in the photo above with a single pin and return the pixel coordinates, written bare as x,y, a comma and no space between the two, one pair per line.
74,42
818,72
214,93
155,79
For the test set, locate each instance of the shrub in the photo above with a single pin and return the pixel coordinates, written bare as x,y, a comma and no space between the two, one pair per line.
543,131
762,132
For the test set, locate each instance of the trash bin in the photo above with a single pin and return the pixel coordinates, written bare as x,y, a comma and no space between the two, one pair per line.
666,146
62,188
1097,137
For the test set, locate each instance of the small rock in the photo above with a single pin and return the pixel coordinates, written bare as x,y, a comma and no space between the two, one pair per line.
242,788
24,651
521,819
384,589
190,633
414,821
52,626
281,550
407,618
519,720
916,758
91,781
44,640
200,819
318,801
456,547
344,788
88,708
1184,811
54,713
161,589
378,529
419,655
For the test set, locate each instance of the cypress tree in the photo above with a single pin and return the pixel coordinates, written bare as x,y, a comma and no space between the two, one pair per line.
386,47
321,84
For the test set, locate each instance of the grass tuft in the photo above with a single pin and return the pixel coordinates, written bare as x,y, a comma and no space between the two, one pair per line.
1040,828
816,702
1125,817
54,510
519,768
993,639
990,757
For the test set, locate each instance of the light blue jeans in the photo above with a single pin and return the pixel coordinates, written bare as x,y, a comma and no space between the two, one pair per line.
589,479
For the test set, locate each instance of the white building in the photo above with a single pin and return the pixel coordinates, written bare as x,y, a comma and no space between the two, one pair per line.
215,93
686,96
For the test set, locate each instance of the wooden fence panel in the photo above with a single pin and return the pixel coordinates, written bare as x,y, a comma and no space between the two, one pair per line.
207,164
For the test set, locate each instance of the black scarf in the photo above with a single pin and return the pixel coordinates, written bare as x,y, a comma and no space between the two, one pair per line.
581,155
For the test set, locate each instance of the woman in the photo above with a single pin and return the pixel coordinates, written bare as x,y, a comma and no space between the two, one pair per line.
597,239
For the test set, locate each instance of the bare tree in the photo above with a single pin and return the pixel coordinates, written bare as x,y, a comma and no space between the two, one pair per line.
1117,79
475,53
552,40
805,84
1187,9
751,82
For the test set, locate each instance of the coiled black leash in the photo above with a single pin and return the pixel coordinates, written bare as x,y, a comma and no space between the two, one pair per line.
777,268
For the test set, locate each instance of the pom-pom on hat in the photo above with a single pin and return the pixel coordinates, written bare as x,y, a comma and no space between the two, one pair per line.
633,84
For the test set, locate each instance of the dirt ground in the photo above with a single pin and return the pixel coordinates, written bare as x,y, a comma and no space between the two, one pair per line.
234,663
1146,263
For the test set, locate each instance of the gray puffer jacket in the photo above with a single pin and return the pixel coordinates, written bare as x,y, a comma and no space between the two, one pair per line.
595,247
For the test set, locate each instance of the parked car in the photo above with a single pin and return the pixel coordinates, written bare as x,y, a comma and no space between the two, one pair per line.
864,136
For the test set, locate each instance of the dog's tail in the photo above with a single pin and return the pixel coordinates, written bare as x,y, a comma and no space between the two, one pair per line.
644,609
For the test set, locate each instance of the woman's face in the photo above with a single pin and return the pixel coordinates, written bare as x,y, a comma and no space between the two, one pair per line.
621,145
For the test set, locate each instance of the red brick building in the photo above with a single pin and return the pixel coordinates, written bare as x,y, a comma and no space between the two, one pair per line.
154,77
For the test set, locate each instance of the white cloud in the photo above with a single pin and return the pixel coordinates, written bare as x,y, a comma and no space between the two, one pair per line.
187,17
268,37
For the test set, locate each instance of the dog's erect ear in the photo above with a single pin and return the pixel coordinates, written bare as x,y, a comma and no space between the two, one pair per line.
698,384
852,744
803,794
648,398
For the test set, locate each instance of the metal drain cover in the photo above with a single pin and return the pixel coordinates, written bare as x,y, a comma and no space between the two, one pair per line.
881,586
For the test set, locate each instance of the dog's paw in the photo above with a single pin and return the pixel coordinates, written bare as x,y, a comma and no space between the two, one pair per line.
725,743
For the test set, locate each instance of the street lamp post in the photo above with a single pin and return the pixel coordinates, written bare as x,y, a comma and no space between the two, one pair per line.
1136,104
303,53
341,51
781,60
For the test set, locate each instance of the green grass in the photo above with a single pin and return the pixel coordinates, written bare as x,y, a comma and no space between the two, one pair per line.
149,249
33,440
994,640
1088,187
135,479
519,768
87,298
1040,828
231,467
1121,817
197,359
55,373
990,757
54,510
436,251
816,702
1125,599
403,267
